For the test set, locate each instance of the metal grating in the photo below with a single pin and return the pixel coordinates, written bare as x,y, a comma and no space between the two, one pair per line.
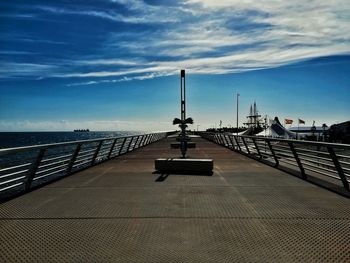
119,212
176,240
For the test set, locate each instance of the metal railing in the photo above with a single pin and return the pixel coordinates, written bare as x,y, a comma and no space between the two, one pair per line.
24,168
329,160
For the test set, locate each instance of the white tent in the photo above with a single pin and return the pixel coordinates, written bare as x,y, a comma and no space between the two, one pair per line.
276,130
245,132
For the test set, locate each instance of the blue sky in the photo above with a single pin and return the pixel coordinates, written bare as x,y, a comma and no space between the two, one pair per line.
114,64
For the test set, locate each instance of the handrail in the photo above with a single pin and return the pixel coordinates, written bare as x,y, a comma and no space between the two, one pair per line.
51,145
321,154
321,144
14,181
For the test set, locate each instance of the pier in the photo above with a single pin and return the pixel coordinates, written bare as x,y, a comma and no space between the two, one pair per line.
122,211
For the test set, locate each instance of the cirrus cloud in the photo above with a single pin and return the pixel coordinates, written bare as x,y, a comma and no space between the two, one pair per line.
205,37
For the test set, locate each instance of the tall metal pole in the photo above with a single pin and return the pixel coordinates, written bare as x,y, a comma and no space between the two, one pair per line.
237,114
183,113
183,95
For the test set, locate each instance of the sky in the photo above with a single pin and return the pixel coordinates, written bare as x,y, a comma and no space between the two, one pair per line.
114,65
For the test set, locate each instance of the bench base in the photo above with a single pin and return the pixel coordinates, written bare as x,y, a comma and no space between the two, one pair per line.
176,145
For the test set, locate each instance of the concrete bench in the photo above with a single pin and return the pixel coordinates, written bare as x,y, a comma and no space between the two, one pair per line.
204,166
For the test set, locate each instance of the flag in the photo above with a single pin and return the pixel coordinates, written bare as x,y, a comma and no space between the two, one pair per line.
301,121
288,121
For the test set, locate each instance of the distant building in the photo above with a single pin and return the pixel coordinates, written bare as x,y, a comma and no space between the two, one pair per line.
310,132
308,129
340,132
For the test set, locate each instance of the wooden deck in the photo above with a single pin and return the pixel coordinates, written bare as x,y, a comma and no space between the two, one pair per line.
121,211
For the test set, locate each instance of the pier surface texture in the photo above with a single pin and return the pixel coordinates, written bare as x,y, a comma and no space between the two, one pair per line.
121,211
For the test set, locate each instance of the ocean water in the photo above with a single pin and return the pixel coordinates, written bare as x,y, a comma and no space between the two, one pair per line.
18,139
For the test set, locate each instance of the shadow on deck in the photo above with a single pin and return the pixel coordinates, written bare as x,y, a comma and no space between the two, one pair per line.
122,211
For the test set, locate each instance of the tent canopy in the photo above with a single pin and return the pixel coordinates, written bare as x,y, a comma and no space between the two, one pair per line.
277,130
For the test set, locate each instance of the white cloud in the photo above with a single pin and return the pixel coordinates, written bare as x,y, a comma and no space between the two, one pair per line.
123,79
255,59
156,69
121,62
13,69
15,52
210,37
146,17
294,31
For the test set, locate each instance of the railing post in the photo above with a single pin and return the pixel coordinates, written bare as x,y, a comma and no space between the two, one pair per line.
245,144
135,145
273,153
144,140
151,138
217,138
226,142
148,139
96,152
238,146
34,169
140,143
222,137
296,157
72,160
233,145
339,168
257,148
112,148
122,146
127,149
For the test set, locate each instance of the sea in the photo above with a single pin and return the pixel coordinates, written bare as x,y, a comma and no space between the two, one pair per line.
19,139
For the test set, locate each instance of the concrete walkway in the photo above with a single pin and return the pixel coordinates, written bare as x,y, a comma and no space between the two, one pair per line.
120,211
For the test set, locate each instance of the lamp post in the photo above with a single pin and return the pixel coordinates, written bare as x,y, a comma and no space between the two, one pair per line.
324,126
237,114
